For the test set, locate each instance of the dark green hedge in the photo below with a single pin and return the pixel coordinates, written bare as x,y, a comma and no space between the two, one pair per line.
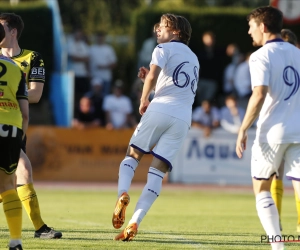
229,25
37,34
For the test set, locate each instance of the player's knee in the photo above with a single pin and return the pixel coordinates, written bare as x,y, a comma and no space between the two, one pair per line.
134,153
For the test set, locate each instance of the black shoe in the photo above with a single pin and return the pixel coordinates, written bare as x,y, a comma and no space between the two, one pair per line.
18,247
46,232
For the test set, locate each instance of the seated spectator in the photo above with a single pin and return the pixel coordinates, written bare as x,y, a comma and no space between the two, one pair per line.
206,117
96,96
85,116
118,108
231,115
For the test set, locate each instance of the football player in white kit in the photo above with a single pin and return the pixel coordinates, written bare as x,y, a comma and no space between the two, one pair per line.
174,71
274,69
277,183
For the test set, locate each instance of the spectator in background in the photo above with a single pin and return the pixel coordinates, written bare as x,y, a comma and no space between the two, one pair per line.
118,108
289,36
211,59
86,116
232,51
102,61
231,115
96,96
242,82
78,53
206,117
145,54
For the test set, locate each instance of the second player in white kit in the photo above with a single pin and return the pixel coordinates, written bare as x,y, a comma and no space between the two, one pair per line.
274,70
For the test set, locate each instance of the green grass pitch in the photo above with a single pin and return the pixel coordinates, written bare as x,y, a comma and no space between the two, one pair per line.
181,218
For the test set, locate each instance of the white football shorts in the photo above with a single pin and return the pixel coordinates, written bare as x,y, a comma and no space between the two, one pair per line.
266,159
163,132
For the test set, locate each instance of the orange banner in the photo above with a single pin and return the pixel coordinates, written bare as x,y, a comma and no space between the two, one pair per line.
65,154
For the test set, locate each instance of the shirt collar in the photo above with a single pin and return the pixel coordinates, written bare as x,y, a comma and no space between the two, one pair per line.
275,40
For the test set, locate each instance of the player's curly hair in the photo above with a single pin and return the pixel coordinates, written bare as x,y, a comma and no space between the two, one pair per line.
13,21
271,17
177,23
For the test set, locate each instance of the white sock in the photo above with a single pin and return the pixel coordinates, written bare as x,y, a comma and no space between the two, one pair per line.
15,242
150,193
126,173
269,218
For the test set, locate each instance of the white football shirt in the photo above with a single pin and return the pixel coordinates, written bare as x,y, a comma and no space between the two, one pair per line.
277,65
177,82
102,55
119,108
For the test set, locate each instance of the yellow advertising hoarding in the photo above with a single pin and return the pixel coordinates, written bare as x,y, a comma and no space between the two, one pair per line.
66,154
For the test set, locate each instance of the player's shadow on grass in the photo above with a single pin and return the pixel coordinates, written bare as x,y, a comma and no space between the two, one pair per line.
165,237
194,242
197,233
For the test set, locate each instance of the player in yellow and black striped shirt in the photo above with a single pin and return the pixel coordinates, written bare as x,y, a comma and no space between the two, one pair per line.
13,125
32,65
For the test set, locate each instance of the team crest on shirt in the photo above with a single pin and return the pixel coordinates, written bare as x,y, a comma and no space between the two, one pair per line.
1,92
24,64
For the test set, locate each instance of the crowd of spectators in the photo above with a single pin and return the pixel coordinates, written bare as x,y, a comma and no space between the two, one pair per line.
224,85
99,101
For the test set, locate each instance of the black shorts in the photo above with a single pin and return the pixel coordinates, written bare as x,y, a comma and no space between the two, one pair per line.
10,147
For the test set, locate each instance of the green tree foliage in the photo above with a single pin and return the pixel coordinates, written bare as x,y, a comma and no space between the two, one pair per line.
112,16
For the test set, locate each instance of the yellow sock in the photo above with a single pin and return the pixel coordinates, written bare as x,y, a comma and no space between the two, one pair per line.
31,204
12,208
277,192
297,206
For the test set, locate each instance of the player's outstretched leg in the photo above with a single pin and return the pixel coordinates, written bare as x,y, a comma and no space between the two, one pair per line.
126,173
30,201
149,194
